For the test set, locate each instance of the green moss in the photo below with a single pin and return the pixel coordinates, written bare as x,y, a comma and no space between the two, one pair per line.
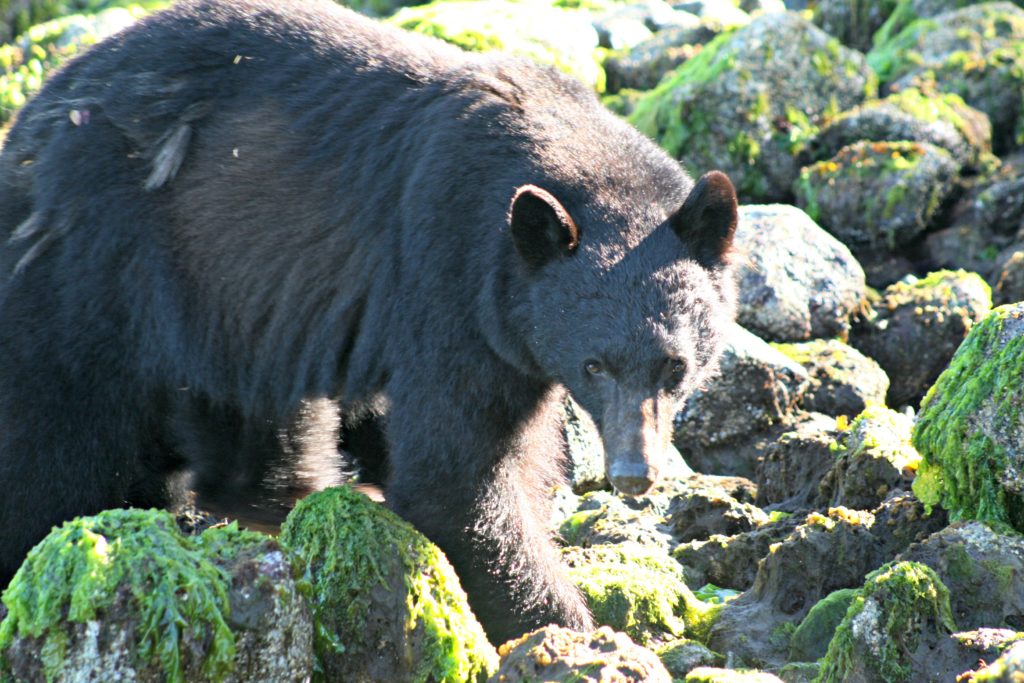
811,637
357,553
178,591
962,465
640,591
884,622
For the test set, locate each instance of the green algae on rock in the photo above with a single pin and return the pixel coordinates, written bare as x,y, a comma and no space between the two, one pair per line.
910,115
976,52
559,655
810,639
916,327
638,590
873,457
900,606
843,380
125,593
751,99
970,431
386,603
708,674
539,30
877,195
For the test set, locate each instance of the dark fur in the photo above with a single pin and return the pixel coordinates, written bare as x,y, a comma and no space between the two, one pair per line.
271,209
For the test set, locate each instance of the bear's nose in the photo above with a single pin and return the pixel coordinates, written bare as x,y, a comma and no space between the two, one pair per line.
632,479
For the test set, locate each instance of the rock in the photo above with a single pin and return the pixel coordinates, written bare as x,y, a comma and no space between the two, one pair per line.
706,674
917,326
843,380
852,21
637,590
564,38
963,246
789,475
1010,285
732,561
1008,668
700,515
624,26
983,569
802,569
877,195
643,65
758,387
810,639
585,450
386,603
124,596
797,282
976,52
901,612
560,655
970,431
751,99
943,120
872,458
957,656
722,15
612,521
682,656
999,206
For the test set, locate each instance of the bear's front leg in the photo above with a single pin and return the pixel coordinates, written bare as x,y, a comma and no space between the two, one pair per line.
478,481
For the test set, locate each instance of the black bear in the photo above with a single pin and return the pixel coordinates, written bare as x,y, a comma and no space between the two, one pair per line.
238,228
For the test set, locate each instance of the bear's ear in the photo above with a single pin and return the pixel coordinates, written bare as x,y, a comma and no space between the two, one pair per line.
706,222
541,227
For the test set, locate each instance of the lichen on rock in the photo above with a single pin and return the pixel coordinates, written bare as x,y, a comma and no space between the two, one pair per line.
386,603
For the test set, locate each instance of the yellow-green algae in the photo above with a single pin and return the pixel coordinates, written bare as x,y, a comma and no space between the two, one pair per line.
883,433
176,583
963,468
886,617
536,29
639,590
353,549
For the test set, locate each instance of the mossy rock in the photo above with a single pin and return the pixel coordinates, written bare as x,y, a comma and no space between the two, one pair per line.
811,638
916,327
638,590
26,64
536,29
877,195
874,456
559,655
386,603
970,430
603,518
941,119
903,13
708,674
903,606
125,594
843,380
750,101
1007,668
682,656
976,52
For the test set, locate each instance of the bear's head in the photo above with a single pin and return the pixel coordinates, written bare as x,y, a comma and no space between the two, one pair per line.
628,314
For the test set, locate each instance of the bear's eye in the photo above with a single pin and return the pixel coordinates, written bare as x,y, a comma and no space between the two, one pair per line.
594,367
677,369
